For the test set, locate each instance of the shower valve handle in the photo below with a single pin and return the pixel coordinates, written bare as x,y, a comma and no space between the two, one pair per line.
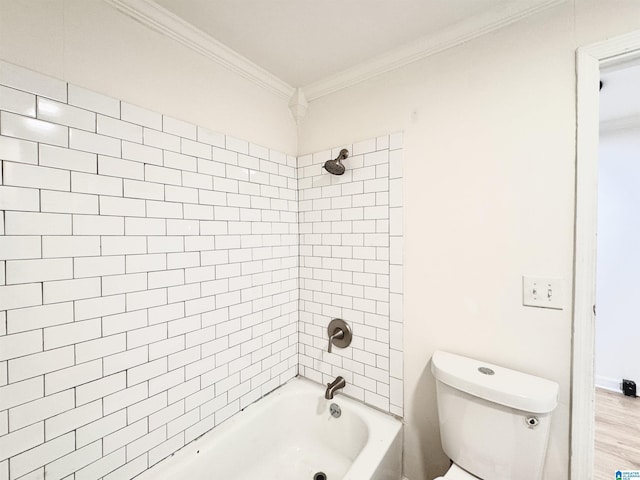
339,333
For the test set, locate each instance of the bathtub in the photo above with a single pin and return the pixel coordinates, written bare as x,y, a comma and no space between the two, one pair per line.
291,435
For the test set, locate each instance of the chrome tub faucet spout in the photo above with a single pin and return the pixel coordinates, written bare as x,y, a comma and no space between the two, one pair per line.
333,387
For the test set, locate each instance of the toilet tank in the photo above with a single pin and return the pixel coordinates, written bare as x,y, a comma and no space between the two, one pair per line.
494,422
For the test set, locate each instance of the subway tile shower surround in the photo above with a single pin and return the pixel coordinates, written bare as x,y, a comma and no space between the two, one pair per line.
149,278
351,268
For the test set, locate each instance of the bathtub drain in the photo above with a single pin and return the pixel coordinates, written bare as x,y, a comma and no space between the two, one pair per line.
320,476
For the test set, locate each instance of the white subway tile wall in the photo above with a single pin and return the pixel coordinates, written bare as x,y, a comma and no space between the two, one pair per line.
149,278
351,252
148,285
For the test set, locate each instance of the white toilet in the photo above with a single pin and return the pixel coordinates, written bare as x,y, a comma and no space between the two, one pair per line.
494,422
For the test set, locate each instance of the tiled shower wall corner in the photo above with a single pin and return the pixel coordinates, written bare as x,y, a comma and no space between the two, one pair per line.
148,280
351,244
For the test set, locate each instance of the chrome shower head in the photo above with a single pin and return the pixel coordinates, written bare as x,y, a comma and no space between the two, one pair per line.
335,166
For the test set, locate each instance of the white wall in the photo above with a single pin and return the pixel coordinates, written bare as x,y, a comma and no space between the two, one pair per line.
617,324
91,44
488,195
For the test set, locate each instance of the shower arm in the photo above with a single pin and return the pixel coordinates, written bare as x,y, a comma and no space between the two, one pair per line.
343,155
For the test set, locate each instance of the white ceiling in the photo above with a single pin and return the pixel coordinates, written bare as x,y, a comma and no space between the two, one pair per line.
620,96
305,41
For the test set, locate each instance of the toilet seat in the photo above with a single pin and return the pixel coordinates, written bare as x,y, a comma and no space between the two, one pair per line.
457,473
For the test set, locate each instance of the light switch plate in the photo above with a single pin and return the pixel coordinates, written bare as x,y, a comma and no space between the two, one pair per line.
543,292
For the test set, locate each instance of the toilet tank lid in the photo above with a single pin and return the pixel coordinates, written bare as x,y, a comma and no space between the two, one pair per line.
504,386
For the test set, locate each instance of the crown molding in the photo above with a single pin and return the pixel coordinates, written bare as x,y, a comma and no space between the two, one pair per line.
160,19
298,105
452,36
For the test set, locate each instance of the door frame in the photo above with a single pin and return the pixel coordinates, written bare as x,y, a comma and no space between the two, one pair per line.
590,60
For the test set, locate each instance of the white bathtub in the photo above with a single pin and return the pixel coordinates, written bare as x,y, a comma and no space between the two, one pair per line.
290,435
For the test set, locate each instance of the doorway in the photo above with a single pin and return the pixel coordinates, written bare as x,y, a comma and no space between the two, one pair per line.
617,331
590,60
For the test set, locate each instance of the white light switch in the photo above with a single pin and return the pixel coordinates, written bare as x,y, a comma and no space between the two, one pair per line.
543,292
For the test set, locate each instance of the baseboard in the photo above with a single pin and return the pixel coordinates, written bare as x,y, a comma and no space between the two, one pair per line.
611,384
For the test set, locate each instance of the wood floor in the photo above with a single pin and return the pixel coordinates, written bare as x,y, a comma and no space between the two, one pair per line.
617,434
